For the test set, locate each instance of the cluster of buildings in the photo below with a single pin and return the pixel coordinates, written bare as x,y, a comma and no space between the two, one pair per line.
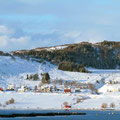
111,86
44,88
12,87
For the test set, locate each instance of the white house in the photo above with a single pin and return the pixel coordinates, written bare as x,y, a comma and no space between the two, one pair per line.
23,89
11,87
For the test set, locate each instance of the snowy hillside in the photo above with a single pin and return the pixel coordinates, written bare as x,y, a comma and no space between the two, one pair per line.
14,71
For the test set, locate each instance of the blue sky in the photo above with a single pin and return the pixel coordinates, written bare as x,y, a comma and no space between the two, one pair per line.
27,24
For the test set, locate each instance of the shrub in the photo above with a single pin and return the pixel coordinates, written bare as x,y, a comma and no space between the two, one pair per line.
70,66
35,77
104,105
112,105
31,77
11,101
35,88
60,82
13,57
7,103
65,103
55,81
0,104
96,91
66,84
79,100
27,77
40,84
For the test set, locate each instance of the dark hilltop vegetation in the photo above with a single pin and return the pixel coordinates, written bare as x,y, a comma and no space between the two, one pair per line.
76,57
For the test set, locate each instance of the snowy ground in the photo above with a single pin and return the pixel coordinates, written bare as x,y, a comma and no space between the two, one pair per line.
36,100
14,72
55,100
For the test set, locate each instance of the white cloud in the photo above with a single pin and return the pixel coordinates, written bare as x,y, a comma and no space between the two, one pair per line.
3,41
21,40
6,42
90,35
5,30
9,38
73,34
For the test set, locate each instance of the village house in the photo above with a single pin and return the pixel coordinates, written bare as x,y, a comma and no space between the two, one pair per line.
84,86
46,89
23,89
67,90
77,89
58,88
10,87
1,89
37,91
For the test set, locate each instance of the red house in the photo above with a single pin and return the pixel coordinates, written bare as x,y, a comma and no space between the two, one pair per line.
67,90
1,89
102,107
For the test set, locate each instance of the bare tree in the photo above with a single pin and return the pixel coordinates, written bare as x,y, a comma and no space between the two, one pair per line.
66,84
35,88
96,91
31,77
61,82
73,83
0,104
27,77
77,85
40,84
13,57
79,100
55,82
65,103
104,105
91,87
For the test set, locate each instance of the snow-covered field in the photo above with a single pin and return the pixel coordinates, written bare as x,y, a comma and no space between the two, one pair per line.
15,71
55,100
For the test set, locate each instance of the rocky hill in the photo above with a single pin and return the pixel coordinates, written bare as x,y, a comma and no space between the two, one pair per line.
103,55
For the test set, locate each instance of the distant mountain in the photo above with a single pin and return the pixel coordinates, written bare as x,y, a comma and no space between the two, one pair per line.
103,55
